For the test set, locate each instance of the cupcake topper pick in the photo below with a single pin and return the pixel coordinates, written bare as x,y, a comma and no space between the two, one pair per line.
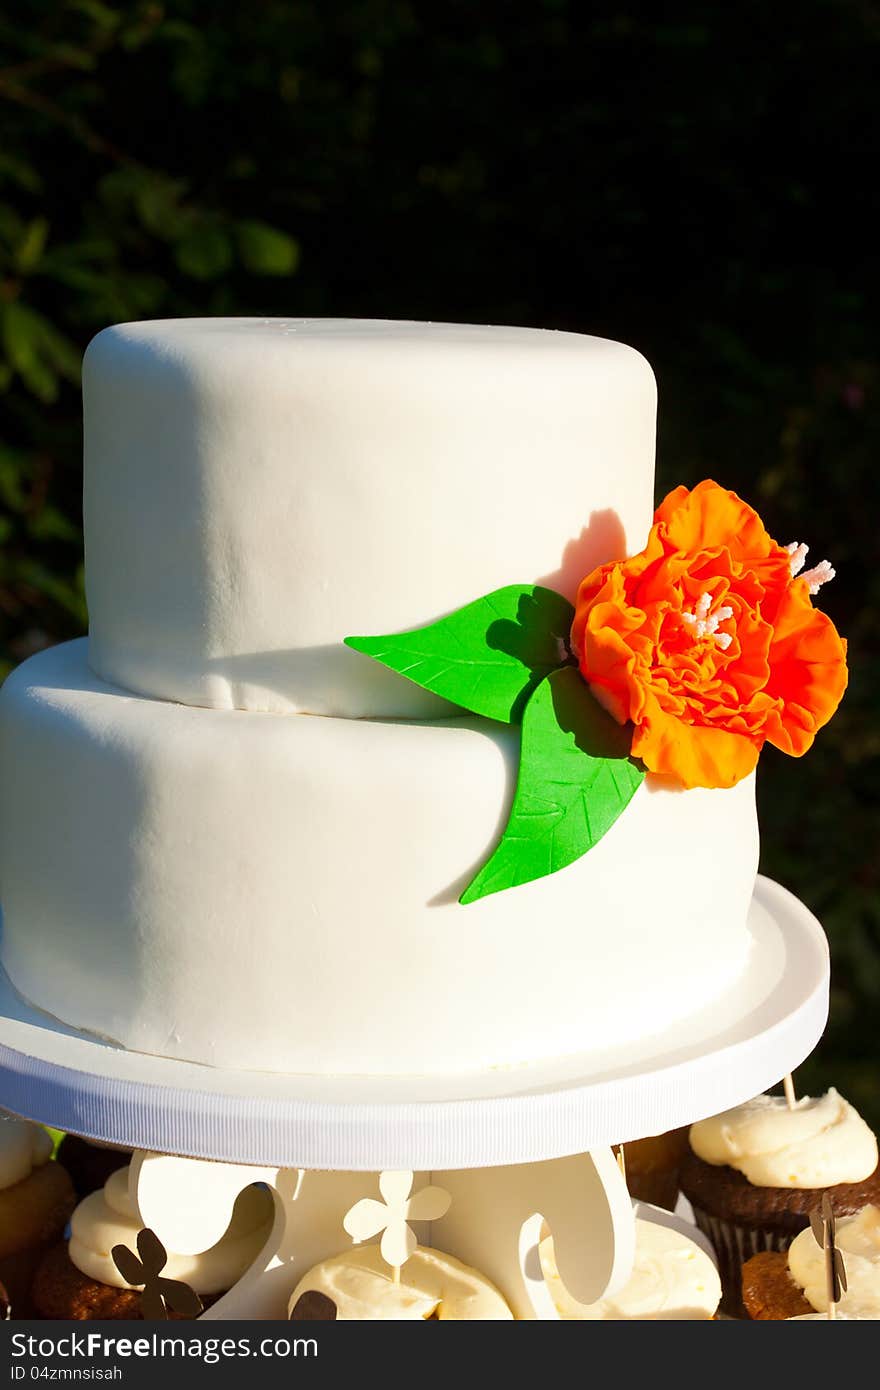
391,1216
788,1087
835,1270
160,1296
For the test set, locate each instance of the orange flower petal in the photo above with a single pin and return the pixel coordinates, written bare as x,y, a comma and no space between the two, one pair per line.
588,592
705,691
808,672
611,661
698,756
710,516
671,503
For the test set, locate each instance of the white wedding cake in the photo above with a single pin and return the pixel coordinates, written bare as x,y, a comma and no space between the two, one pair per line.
228,838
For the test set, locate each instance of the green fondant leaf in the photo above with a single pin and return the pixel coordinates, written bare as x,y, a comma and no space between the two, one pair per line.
575,778
487,657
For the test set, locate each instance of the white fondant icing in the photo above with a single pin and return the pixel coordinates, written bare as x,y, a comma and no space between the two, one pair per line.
280,893
258,489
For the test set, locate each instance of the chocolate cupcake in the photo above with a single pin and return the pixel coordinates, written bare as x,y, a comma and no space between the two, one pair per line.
793,1283
652,1167
36,1199
80,1280
755,1173
89,1162
63,1291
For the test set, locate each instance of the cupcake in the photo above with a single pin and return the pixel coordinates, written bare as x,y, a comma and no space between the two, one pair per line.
432,1286
36,1199
652,1167
90,1162
672,1278
792,1284
769,1293
80,1280
755,1173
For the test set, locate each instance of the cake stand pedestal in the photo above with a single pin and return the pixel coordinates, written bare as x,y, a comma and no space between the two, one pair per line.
515,1147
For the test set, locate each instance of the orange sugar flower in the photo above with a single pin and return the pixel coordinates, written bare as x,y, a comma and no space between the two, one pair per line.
708,641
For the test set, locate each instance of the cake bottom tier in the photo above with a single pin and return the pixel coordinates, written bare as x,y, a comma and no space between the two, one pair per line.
279,893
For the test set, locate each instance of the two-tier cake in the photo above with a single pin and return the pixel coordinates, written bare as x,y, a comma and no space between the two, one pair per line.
228,838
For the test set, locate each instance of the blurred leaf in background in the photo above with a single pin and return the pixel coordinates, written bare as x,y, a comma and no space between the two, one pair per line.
699,183
98,223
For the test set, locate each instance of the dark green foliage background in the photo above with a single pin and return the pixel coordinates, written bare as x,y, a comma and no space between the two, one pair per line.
700,183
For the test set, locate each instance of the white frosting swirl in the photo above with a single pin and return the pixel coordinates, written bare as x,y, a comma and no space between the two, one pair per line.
24,1146
672,1278
109,1218
819,1143
858,1238
432,1285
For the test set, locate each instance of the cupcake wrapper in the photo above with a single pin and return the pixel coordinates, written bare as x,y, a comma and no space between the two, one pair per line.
734,1245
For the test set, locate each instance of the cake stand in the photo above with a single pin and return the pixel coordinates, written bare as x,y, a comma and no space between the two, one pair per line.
515,1147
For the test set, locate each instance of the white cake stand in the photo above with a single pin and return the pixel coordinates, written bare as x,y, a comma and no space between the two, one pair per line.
515,1146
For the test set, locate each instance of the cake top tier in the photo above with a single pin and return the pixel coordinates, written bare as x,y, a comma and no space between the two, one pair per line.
165,334
191,340
257,489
